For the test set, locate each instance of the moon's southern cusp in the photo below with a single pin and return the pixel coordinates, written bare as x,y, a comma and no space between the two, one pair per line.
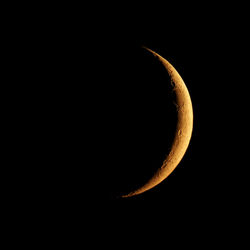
183,130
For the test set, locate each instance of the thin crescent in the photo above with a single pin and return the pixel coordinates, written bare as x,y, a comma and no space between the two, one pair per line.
183,131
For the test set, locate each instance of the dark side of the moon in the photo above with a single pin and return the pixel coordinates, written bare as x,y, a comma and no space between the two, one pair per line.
136,121
108,120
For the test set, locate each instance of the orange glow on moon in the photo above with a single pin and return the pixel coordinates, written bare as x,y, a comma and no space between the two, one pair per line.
183,130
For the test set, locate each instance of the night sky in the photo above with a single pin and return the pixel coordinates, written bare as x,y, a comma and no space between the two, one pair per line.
101,120
106,104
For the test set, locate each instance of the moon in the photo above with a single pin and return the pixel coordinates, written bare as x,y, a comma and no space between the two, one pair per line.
183,129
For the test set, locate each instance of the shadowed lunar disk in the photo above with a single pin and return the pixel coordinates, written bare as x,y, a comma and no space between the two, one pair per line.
182,133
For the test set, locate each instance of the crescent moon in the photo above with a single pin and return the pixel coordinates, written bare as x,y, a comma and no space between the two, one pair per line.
183,130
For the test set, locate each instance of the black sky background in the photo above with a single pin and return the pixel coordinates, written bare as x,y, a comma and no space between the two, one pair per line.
201,59
207,52
76,68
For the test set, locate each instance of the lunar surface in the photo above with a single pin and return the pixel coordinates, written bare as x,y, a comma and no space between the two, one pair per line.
183,129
